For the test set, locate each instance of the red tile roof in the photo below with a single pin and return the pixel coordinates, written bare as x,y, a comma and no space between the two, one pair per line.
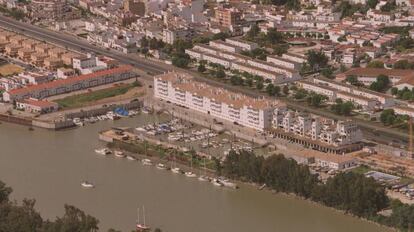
62,82
39,103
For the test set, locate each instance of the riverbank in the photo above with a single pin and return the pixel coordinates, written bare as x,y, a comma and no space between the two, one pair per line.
213,174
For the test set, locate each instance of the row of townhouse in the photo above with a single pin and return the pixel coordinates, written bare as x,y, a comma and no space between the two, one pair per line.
44,90
181,89
339,133
368,100
278,73
33,51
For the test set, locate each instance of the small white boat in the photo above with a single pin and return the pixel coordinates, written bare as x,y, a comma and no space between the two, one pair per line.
111,115
147,162
119,154
78,122
130,158
227,183
203,178
190,174
140,129
216,182
176,170
103,151
87,184
161,166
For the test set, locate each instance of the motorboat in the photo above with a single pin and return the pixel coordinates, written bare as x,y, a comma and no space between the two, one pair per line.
140,129
78,122
190,174
130,158
147,162
227,183
103,151
216,182
111,115
161,166
119,154
87,184
176,170
203,178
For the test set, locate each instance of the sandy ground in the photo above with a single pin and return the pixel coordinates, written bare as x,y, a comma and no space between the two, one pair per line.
9,69
400,197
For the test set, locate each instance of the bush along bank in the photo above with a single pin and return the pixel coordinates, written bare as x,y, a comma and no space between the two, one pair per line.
349,192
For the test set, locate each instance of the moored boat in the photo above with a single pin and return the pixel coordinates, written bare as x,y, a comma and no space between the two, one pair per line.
176,170
119,154
103,151
131,158
161,166
87,184
147,162
190,174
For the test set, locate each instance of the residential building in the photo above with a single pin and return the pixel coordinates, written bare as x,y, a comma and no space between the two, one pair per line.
62,86
33,105
181,89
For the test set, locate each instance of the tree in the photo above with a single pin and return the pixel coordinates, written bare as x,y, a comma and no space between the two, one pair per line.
394,91
375,64
201,68
387,117
317,60
236,80
372,3
381,83
352,79
253,32
259,85
285,90
180,60
327,72
403,64
144,42
220,73
4,192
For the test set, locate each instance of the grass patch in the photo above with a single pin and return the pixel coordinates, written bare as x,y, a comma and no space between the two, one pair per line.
85,98
362,169
10,69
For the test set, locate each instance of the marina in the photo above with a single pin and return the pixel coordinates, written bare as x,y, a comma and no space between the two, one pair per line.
123,185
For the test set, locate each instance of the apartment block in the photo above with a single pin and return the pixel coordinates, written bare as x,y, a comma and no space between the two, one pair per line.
181,89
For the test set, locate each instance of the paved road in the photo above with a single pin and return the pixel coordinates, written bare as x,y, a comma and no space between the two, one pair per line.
374,132
79,45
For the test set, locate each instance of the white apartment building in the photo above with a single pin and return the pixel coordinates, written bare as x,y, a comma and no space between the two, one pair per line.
327,131
181,89
404,110
294,57
244,45
283,62
278,74
385,100
367,104
224,46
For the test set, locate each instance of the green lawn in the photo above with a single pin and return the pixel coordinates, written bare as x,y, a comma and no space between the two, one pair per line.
85,98
362,169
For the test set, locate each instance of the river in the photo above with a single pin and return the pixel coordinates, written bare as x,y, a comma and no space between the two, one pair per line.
49,166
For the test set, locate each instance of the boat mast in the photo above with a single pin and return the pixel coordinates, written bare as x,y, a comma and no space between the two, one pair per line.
138,215
143,213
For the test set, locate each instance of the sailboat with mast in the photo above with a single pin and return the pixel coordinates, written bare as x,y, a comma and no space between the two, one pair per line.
203,177
190,173
142,227
174,167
